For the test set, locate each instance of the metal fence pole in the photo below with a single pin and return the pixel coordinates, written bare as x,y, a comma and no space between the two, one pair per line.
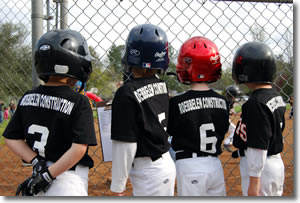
37,31
64,14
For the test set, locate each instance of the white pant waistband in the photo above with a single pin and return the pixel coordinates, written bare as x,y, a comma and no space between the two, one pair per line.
143,162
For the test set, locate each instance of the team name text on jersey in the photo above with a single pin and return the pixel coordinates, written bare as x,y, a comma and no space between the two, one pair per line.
48,102
150,90
275,103
202,103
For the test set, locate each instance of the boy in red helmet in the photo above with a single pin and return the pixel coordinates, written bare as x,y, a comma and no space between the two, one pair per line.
198,121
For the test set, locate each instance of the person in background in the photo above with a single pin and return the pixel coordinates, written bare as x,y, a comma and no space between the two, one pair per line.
1,111
12,107
291,101
232,92
6,113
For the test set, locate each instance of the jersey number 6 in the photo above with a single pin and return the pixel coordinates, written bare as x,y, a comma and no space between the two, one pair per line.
204,140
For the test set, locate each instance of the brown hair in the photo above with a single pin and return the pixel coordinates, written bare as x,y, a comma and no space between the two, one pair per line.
143,72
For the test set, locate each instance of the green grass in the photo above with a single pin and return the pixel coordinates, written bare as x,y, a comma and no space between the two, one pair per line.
2,128
238,108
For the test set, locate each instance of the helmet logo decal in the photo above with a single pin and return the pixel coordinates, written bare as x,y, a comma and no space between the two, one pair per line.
146,65
243,77
200,76
214,59
44,47
239,60
61,69
160,56
134,52
187,60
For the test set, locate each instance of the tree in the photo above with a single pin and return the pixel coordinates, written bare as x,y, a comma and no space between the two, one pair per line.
102,78
257,32
114,57
15,61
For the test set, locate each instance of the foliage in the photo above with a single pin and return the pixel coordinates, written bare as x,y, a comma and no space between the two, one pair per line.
103,78
114,57
15,61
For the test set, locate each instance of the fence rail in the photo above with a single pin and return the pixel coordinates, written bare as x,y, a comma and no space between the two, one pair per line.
106,24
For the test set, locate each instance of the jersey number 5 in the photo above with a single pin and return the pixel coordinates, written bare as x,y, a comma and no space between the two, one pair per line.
39,145
204,140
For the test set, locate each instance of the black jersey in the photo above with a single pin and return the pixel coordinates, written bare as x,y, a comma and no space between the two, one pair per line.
140,114
50,119
198,121
262,122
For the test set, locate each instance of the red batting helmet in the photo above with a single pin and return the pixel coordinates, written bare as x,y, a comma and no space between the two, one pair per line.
198,61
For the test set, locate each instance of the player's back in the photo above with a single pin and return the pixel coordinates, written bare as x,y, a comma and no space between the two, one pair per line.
49,118
198,121
263,122
141,107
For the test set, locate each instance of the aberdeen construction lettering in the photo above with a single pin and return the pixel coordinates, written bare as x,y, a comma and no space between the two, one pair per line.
202,103
48,102
150,90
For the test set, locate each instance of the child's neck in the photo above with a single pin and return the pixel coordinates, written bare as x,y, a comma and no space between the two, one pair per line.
255,86
200,86
60,81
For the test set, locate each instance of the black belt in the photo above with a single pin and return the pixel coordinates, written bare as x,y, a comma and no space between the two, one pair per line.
185,155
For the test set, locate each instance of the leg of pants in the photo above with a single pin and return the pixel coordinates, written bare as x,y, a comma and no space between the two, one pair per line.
202,176
272,177
156,178
69,183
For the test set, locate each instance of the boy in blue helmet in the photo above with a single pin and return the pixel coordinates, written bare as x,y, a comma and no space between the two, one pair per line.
140,116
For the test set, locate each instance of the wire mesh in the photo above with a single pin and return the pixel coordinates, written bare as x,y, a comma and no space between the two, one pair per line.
106,24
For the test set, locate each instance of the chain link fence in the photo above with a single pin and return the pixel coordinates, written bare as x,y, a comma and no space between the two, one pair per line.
106,24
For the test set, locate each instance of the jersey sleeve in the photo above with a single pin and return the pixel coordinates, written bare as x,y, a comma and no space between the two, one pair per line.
124,126
258,126
83,129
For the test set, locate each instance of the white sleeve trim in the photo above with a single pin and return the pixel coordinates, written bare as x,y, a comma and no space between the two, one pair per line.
123,154
256,159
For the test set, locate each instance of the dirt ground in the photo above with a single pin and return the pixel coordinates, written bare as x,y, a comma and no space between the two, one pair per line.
13,172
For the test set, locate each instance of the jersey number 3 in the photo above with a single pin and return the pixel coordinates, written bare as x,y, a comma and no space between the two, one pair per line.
39,145
204,140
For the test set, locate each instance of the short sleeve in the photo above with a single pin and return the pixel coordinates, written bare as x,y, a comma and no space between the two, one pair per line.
258,125
83,129
124,126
